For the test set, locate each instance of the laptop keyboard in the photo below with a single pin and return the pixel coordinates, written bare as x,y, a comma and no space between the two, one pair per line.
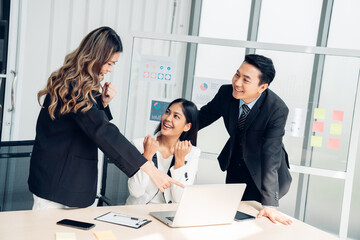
170,218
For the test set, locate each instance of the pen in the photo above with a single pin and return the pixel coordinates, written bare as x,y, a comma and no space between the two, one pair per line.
119,215
132,218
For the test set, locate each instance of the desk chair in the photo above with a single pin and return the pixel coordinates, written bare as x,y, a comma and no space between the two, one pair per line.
102,198
14,172
114,185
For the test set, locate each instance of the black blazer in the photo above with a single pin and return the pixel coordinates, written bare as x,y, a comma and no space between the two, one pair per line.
63,166
264,152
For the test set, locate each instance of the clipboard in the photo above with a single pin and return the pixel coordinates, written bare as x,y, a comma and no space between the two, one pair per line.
124,220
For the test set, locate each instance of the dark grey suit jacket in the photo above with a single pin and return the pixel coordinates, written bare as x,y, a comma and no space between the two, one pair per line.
264,152
63,166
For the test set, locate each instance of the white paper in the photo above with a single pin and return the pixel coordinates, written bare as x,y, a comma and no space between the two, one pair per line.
204,89
295,124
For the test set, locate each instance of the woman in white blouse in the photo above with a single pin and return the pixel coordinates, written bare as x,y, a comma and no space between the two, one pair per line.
173,152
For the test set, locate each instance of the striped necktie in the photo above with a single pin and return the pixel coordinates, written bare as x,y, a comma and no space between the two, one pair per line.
242,118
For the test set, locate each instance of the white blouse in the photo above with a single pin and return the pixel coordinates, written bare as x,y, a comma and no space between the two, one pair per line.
143,191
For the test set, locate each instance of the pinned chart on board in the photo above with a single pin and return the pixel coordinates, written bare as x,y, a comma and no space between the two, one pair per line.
321,126
204,89
157,109
160,69
295,124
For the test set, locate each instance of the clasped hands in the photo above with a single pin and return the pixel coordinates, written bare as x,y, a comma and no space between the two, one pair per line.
181,149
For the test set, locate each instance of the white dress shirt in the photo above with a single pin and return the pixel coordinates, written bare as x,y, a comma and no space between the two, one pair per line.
142,189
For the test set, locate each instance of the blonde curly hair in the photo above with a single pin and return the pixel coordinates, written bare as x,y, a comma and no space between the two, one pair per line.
72,87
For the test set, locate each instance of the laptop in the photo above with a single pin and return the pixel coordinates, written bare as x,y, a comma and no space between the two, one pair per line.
202,205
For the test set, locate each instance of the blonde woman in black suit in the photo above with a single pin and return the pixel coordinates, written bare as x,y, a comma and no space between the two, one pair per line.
74,122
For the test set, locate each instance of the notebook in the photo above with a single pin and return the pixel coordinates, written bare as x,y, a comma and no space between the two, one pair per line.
201,205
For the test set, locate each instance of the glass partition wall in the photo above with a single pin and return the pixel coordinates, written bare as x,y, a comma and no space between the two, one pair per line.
322,128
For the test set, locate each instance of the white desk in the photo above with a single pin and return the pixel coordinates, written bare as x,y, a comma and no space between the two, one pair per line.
41,224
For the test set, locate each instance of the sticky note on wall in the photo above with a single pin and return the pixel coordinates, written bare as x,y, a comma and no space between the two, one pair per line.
335,129
316,141
334,143
318,126
319,113
337,115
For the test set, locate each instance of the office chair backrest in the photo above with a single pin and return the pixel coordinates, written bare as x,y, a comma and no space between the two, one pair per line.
14,172
114,185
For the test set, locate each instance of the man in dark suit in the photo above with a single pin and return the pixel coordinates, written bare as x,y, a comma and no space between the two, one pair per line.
255,118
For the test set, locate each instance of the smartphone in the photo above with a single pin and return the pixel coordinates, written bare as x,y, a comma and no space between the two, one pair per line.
240,216
76,224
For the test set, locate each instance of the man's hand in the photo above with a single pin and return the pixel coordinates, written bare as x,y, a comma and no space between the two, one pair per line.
274,215
108,93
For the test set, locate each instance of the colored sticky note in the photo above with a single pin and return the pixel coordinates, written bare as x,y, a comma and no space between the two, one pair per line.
105,235
335,129
333,143
319,113
338,115
318,126
65,236
316,141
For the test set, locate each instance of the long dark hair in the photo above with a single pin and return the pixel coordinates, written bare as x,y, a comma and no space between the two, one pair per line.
191,114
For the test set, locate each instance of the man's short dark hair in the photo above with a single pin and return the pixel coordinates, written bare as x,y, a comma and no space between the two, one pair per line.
264,64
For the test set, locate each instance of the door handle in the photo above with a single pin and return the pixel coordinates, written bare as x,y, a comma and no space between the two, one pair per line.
13,84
